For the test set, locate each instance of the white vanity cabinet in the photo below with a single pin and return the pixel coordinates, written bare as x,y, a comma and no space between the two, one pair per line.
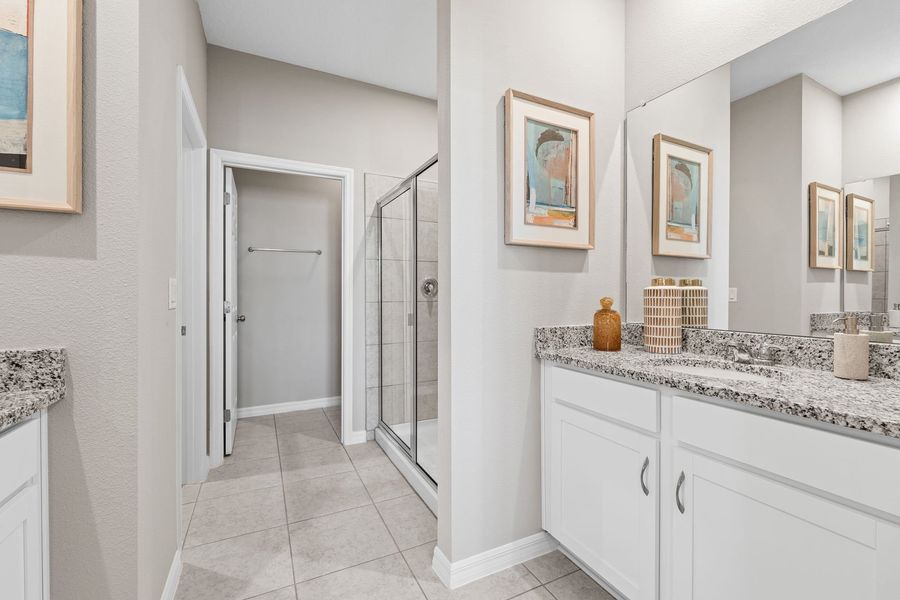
738,504
23,547
601,478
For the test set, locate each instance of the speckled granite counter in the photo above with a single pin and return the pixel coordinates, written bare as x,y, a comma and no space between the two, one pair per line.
30,380
871,406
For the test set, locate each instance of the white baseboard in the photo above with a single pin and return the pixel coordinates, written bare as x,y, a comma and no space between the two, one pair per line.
459,573
355,437
172,580
283,407
420,484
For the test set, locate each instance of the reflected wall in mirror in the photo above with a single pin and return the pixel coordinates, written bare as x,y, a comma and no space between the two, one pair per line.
806,136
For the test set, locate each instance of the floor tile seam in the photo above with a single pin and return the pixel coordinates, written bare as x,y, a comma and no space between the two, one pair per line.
342,569
360,565
286,517
313,478
233,537
229,494
331,514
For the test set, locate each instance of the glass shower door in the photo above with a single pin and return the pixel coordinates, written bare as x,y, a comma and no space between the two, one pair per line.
426,204
397,318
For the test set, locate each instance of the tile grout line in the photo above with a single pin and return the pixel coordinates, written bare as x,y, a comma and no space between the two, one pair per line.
286,518
388,529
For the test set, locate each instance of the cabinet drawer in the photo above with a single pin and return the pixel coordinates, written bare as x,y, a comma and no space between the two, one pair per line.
20,449
623,402
858,470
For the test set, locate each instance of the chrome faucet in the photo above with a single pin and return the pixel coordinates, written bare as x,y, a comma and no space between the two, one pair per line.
764,354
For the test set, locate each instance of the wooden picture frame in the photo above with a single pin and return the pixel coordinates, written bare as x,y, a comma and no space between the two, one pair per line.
825,226
680,231
549,173
860,240
51,179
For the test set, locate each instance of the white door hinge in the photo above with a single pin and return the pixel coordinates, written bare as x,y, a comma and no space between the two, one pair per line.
228,415
227,198
227,307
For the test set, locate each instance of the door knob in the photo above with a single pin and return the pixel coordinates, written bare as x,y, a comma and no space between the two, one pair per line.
429,288
242,318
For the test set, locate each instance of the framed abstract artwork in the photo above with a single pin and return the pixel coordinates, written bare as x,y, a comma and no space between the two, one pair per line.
40,105
860,233
549,173
825,235
682,198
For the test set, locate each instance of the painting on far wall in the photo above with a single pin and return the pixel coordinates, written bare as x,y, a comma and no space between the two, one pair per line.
40,105
860,233
824,226
682,198
15,92
549,173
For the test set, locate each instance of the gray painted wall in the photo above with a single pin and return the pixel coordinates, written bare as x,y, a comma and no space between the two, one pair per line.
267,107
698,112
289,348
490,491
96,284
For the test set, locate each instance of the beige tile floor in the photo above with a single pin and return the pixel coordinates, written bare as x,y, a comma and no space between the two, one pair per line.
293,515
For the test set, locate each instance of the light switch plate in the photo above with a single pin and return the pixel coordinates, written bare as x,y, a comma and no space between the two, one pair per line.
173,293
732,294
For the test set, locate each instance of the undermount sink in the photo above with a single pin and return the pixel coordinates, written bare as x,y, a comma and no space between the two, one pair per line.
720,370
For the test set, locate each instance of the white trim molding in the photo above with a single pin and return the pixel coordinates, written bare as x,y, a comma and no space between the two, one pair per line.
283,407
168,592
219,160
459,573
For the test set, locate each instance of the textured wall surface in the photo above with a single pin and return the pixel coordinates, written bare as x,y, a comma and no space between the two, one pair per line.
670,42
71,281
499,293
170,34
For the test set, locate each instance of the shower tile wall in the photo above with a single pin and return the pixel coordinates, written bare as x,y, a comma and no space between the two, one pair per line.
395,405
879,277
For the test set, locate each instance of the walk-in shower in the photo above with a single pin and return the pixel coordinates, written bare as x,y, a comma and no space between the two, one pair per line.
407,219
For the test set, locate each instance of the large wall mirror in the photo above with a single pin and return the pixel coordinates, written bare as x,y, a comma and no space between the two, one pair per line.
775,179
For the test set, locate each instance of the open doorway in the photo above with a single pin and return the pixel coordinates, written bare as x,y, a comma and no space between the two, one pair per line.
281,289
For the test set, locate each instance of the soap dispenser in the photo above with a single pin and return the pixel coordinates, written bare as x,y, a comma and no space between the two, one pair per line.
851,351
607,327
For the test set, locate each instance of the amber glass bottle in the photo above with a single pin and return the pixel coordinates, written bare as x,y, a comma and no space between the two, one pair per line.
607,327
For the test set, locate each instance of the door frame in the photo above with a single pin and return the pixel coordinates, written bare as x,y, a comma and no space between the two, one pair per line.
219,160
192,464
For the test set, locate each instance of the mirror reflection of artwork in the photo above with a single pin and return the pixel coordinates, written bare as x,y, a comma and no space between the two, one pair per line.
824,226
860,232
15,67
551,175
682,198
826,244
683,202
549,155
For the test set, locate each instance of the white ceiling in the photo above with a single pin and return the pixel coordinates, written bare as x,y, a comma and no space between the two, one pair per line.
390,43
850,49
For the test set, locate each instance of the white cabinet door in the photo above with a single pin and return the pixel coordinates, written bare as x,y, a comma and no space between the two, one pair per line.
741,536
20,546
602,482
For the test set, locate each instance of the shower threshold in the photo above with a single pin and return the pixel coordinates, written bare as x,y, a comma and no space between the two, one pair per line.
413,473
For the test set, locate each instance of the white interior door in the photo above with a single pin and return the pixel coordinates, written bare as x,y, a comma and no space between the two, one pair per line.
231,309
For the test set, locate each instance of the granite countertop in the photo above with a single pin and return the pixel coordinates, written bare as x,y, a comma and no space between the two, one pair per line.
30,380
871,406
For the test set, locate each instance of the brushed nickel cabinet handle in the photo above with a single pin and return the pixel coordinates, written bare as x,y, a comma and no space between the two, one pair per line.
643,473
678,501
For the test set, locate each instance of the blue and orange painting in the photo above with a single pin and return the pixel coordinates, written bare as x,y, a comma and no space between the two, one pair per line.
14,68
551,175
